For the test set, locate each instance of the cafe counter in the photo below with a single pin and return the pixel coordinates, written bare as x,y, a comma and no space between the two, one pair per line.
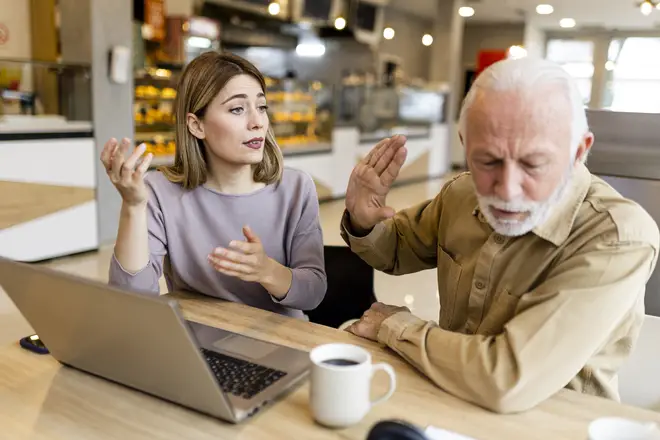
47,187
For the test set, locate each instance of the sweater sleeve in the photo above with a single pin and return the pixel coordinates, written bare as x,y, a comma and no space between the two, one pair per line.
146,279
307,264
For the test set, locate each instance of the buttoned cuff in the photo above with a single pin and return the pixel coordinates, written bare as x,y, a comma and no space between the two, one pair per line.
360,243
393,327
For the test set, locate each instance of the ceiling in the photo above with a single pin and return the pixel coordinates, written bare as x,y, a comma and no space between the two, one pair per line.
610,14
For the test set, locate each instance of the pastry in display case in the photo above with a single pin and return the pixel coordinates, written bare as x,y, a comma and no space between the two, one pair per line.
300,114
155,93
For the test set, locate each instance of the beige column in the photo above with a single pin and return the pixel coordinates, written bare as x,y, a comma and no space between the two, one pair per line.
445,65
44,48
534,40
89,30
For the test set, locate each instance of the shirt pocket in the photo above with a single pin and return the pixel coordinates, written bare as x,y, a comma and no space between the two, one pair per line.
501,311
449,276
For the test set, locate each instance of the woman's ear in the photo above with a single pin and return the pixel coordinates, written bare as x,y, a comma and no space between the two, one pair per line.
195,126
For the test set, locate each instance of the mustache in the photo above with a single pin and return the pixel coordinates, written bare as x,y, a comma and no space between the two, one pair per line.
519,206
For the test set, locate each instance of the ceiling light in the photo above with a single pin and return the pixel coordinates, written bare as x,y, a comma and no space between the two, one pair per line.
199,42
466,11
340,23
388,33
646,8
147,31
567,23
517,52
312,50
609,66
274,8
427,40
545,9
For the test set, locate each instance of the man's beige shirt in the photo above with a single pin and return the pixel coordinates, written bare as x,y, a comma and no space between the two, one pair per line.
520,318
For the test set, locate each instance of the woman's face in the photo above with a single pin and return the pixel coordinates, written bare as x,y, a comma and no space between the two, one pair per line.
235,124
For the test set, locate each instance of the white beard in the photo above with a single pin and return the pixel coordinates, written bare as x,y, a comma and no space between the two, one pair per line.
538,212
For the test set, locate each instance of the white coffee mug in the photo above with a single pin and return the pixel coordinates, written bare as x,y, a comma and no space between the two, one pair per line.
340,384
616,428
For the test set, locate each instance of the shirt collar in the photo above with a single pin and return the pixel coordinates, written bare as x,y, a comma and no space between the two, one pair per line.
560,223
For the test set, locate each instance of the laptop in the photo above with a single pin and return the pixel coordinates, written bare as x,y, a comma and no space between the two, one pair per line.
143,342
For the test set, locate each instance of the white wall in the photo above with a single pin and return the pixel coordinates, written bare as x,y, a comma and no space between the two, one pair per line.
179,7
407,42
15,16
478,37
339,56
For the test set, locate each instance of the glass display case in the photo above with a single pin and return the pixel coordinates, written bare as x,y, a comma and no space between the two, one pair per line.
382,111
153,110
37,89
301,114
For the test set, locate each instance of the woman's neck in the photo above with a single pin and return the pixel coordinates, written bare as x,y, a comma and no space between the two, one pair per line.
232,179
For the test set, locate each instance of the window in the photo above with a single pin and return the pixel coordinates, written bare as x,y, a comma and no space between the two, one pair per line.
632,75
577,58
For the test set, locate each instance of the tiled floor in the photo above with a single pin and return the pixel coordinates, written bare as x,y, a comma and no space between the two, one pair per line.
417,291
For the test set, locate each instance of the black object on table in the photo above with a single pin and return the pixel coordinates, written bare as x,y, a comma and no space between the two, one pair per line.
34,344
395,430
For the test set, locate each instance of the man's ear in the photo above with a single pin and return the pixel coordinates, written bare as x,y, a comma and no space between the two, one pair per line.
584,147
195,126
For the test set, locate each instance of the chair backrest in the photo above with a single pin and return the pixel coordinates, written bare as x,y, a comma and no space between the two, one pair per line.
639,384
350,288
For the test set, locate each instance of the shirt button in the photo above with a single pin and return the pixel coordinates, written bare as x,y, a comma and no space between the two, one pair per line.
499,239
479,285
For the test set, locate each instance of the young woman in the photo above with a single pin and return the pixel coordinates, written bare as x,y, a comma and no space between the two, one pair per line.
226,220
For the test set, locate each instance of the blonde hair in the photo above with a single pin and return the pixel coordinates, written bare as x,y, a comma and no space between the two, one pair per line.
200,83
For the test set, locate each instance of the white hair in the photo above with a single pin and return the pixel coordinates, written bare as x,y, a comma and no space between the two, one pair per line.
528,75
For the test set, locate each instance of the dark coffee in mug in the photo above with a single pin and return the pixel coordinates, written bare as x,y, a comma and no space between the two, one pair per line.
340,362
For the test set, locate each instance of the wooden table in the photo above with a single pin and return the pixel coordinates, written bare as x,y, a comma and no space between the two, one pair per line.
39,399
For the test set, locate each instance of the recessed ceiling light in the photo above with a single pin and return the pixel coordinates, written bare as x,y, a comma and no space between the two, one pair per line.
545,9
340,23
517,52
274,8
646,7
466,11
388,33
567,23
312,50
427,40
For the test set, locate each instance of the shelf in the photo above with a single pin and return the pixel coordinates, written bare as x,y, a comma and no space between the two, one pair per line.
149,136
293,119
155,100
306,149
159,127
158,161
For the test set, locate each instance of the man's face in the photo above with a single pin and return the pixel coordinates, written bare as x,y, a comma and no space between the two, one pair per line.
518,150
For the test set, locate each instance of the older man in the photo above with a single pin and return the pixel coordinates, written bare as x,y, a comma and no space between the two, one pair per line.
541,266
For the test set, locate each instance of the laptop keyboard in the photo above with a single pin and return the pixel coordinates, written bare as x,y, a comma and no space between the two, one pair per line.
238,377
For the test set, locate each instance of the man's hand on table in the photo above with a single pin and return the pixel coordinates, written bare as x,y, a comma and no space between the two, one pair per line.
369,325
